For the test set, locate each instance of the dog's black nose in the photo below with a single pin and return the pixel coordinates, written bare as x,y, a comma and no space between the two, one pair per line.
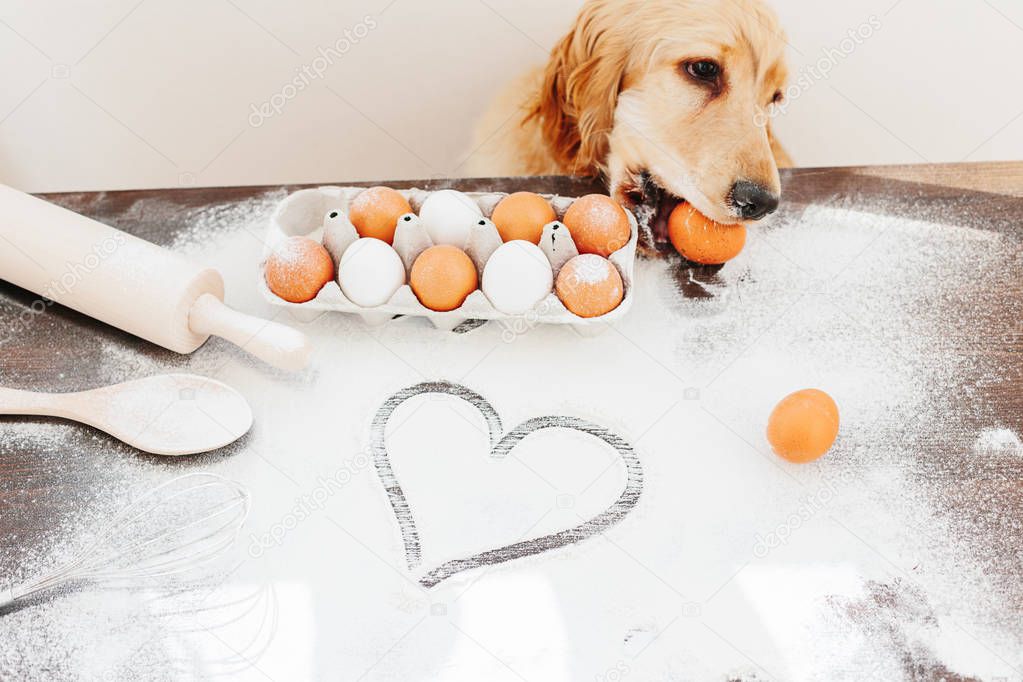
753,201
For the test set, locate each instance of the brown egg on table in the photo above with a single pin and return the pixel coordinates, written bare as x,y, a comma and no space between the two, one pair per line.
443,277
522,216
598,225
701,240
375,212
298,268
803,426
590,286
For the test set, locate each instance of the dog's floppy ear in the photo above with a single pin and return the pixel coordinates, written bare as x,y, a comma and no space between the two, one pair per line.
576,103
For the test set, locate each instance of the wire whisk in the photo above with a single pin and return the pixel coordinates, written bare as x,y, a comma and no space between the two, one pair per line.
176,527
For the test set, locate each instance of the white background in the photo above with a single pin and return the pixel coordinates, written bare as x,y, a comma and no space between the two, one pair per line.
121,93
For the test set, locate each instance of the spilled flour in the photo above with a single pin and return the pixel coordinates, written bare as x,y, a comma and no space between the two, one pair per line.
999,443
896,557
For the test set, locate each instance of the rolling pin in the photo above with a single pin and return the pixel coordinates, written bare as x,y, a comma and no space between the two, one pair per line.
129,283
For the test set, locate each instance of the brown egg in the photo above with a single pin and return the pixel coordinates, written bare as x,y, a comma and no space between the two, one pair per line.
701,240
443,277
522,216
598,225
590,286
298,268
804,426
375,212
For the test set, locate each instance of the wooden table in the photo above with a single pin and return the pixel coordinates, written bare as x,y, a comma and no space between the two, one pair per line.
60,350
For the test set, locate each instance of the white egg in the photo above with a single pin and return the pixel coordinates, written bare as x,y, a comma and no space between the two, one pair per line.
448,217
370,272
517,277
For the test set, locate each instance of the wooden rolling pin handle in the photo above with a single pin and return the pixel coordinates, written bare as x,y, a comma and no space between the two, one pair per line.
272,343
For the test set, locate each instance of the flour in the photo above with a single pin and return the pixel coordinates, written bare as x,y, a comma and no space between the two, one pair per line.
998,443
870,563
590,269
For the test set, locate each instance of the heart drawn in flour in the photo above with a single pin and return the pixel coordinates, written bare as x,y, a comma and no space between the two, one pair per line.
500,447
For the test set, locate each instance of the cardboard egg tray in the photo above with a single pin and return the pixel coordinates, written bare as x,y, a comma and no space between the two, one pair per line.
302,213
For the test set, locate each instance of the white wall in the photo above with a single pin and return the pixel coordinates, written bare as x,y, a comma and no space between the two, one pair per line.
122,93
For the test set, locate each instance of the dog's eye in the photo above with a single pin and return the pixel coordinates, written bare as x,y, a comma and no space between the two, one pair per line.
704,70
778,97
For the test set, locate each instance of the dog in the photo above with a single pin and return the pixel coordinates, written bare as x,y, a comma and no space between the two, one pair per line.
668,100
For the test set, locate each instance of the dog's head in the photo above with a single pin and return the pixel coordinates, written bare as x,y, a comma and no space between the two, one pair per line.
670,100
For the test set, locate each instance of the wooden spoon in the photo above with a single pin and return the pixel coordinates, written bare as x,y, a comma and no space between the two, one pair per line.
171,414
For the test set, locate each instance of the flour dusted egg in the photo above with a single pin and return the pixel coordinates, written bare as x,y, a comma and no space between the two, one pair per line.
590,286
448,217
297,269
375,212
370,272
517,277
598,224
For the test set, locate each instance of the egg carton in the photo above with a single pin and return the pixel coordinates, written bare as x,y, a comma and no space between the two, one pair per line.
302,213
